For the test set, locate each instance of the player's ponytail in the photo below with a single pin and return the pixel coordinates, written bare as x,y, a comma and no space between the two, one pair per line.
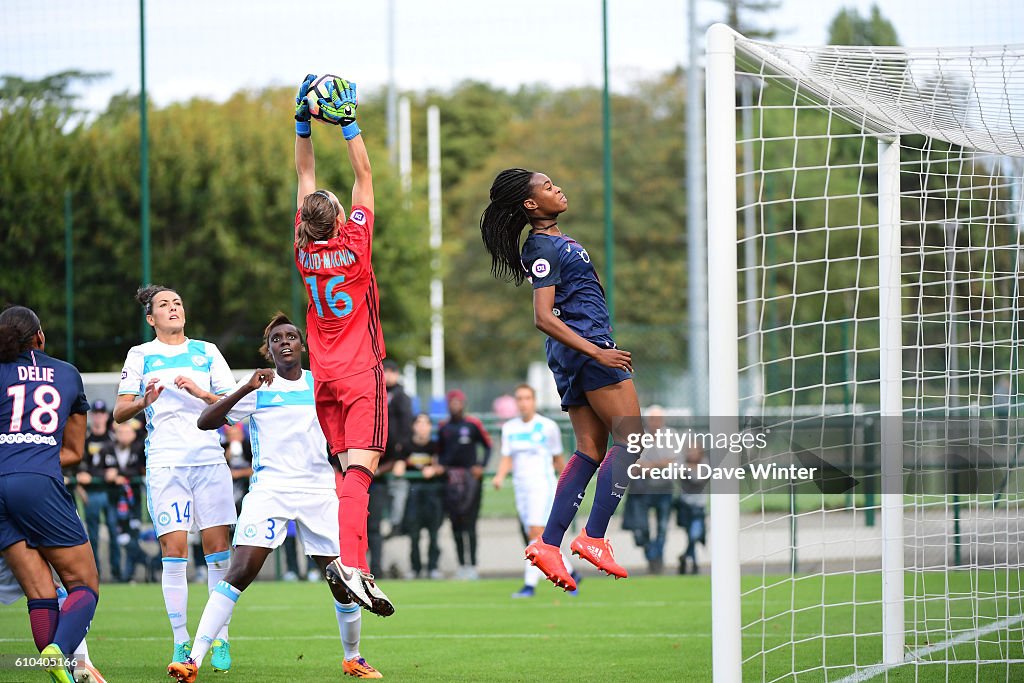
145,295
316,219
503,221
18,325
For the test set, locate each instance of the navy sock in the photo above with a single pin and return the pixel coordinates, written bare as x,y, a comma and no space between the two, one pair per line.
75,617
568,496
612,480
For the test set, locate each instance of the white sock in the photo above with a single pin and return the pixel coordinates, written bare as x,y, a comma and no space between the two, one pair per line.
175,586
82,651
350,619
532,575
216,615
217,565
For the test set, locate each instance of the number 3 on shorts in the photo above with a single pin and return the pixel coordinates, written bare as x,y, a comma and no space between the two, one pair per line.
271,522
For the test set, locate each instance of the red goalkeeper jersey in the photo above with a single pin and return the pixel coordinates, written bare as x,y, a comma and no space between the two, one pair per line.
343,317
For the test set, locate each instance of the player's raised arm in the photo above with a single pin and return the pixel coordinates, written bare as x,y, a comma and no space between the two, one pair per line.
305,166
342,110
216,414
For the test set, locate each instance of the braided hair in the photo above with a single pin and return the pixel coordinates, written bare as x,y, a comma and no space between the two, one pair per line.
18,326
503,221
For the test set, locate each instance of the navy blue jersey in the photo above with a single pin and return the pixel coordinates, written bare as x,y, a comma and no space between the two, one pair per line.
561,261
37,395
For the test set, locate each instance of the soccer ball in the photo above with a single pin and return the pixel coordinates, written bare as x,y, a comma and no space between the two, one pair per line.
317,90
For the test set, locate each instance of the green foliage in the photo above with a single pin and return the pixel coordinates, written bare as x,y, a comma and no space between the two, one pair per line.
223,203
848,27
737,13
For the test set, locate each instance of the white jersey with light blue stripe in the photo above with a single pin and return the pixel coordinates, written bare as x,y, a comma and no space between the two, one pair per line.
173,439
532,445
289,450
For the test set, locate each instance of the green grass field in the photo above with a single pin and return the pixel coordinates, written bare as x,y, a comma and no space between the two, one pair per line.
654,629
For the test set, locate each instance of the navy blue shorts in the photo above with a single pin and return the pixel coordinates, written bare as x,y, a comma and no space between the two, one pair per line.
575,374
37,509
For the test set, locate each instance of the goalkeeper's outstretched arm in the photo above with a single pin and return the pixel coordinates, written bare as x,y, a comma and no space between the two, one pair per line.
305,166
342,109
362,188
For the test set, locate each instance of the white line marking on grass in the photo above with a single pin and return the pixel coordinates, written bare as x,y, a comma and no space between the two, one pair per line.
568,602
914,655
407,636
410,636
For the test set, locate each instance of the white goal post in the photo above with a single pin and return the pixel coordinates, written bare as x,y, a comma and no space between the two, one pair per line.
864,240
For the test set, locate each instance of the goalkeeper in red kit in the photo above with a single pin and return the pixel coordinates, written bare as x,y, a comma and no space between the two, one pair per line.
346,346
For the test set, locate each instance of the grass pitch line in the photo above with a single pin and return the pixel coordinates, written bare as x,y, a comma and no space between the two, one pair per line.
411,636
914,655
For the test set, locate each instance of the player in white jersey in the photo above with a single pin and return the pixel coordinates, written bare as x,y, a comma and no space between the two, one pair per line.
291,480
531,449
188,481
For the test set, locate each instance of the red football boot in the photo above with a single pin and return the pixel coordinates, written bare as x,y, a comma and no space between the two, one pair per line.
548,559
598,552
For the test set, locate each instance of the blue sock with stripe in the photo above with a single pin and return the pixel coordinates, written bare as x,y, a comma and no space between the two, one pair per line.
572,483
350,620
216,614
217,565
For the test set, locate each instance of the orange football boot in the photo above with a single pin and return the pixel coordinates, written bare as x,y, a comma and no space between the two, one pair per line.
360,668
183,672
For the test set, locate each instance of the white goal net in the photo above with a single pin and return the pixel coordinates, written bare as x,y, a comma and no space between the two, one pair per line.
864,243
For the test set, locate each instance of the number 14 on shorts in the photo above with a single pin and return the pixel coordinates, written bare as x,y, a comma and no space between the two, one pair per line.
177,514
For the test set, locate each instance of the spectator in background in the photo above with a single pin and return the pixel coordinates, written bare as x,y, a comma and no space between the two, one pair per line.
424,509
690,512
129,466
464,447
399,433
238,453
383,488
95,477
399,423
648,494
100,434
97,438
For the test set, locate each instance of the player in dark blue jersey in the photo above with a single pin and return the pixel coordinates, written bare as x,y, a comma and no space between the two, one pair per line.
594,377
42,427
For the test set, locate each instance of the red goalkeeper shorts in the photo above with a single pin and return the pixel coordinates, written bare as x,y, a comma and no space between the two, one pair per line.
353,411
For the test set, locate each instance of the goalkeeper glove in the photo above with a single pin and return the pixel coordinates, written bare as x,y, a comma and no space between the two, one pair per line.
341,108
302,127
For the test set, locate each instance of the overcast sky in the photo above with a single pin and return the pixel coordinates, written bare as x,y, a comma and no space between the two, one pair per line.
213,47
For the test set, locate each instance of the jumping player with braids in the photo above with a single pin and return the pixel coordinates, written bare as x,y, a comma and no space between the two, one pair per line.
346,346
593,376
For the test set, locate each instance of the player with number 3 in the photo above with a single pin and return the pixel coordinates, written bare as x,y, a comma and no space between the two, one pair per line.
346,345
